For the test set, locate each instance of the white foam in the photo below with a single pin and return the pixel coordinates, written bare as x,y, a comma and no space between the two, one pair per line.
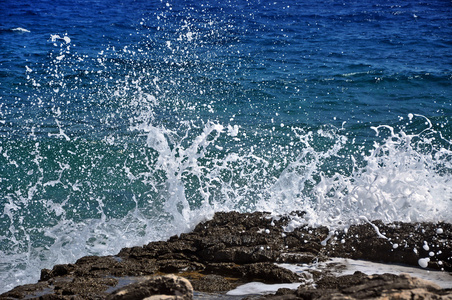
56,37
233,130
399,181
260,288
66,39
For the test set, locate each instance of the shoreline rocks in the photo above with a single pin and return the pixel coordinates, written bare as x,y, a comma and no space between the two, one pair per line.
361,286
236,248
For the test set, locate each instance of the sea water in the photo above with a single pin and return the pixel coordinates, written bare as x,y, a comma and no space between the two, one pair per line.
125,122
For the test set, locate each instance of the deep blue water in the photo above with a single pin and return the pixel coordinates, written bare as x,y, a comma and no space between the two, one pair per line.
123,122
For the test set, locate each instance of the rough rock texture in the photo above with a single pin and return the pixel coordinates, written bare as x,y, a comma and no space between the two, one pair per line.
361,286
234,248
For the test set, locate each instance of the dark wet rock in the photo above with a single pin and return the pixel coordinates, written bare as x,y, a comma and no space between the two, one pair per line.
25,290
397,243
235,248
178,265
64,287
270,272
86,288
212,283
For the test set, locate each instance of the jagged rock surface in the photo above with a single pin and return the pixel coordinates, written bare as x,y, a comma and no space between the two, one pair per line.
361,286
240,248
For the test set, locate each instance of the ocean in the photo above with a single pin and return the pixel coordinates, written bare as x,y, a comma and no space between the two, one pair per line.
129,121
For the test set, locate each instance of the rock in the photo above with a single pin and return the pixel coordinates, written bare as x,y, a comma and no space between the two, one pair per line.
398,242
360,286
271,272
85,288
157,287
383,286
235,248
212,284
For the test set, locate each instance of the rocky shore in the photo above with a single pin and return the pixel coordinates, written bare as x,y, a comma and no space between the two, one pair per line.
234,248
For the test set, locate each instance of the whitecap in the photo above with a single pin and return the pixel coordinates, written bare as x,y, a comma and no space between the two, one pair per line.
20,29
55,37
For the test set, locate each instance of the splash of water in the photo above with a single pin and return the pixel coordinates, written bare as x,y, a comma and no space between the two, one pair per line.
403,177
124,149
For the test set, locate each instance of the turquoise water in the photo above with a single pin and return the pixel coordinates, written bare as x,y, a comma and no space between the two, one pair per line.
127,122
